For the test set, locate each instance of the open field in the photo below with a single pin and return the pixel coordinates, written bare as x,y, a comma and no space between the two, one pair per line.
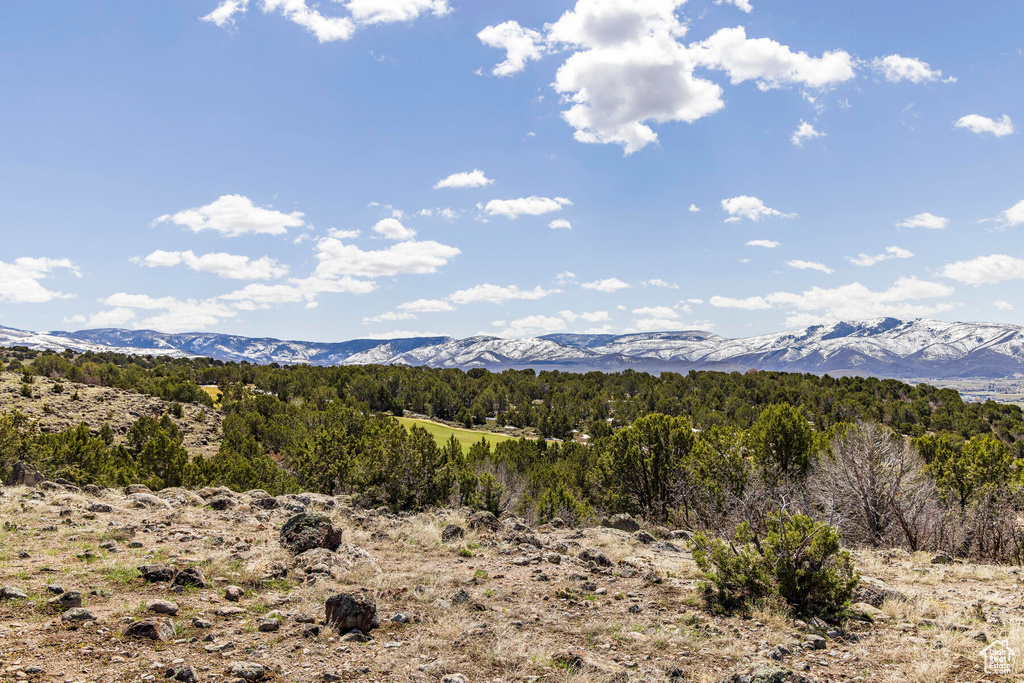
442,433
509,604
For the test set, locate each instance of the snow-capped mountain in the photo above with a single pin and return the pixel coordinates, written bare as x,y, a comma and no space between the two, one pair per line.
884,347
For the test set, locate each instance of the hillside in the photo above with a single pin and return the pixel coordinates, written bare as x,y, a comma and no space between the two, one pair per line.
512,604
883,347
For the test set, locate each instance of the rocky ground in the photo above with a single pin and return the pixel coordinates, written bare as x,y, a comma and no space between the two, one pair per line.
55,412
223,597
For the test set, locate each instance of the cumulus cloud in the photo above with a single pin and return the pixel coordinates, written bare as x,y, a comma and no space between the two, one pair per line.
849,302
533,325
591,317
771,64
924,220
804,131
390,316
1013,216
986,270
565,277
809,265
612,284
750,208
496,294
232,215
767,244
694,208
335,259
297,290
658,282
520,44
1003,305
896,68
229,266
20,280
474,178
560,224
426,306
525,206
393,229
330,28
982,124
890,253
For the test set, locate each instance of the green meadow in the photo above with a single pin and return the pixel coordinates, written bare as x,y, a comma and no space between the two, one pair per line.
441,433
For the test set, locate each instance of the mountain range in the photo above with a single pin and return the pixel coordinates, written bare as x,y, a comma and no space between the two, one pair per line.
885,347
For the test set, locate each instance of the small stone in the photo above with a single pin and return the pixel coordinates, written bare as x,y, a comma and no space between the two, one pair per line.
247,671
310,631
77,614
229,611
190,576
348,611
452,532
162,607
12,593
401,618
156,573
65,601
454,678
100,507
54,589
233,593
184,674
595,556
269,626
154,629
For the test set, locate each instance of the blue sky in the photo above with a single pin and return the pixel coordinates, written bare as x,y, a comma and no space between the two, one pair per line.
374,168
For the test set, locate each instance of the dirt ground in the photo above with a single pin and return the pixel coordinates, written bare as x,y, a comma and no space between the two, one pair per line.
490,606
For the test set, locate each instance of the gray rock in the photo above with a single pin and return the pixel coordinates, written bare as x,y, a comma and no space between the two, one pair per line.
484,520
184,674
162,607
190,576
621,522
12,593
352,611
595,556
452,532
229,611
767,674
76,614
156,628
148,500
644,538
233,593
201,623
306,531
157,573
247,671
221,503
875,591
99,507
23,474
269,626
65,601
941,558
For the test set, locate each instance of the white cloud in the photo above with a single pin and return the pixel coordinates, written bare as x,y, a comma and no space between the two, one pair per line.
564,277
232,215
986,270
612,284
890,253
1013,216
848,302
474,178
343,234
229,266
767,244
337,258
741,4
1003,305
560,223
224,14
393,229
694,208
173,315
804,131
533,325
496,294
330,28
520,45
658,282
297,290
982,124
390,316
20,280
770,63
750,208
448,214
591,317
924,220
655,312
426,306
896,68
115,317
525,206
809,265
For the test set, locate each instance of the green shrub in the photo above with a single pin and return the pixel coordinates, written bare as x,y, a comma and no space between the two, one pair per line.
26,390
798,562
57,388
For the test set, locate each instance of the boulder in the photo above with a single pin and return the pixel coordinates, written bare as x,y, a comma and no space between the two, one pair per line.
162,607
221,503
190,576
156,573
875,591
132,489
595,556
621,522
247,671
157,628
306,531
352,612
77,615
179,497
23,474
12,593
148,500
267,503
65,601
233,593
767,674
484,520
452,532
96,506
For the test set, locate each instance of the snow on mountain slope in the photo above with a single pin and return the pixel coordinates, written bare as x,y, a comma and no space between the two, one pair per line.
885,347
